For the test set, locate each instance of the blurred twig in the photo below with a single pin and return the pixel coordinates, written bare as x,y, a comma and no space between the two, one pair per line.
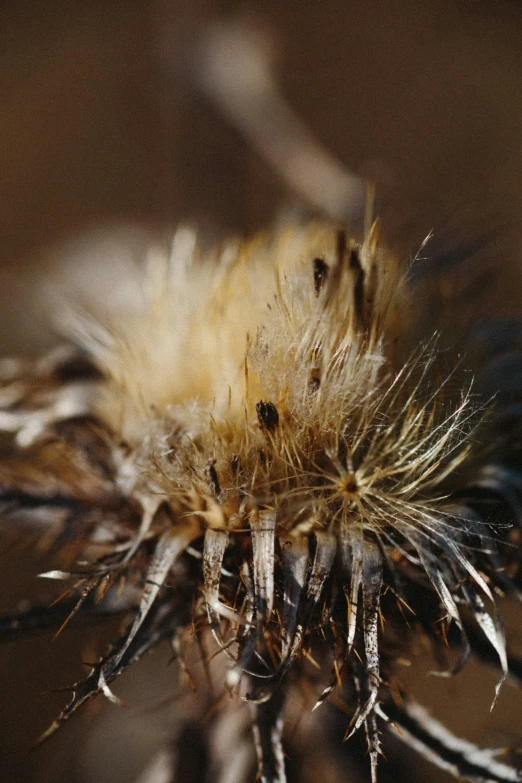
233,69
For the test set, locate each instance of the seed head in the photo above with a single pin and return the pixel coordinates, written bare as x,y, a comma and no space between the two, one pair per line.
255,426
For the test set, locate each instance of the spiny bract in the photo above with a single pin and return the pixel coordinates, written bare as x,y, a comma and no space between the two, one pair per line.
258,427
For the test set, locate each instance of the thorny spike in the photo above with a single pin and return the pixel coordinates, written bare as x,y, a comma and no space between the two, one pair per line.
320,569
374,743
357,544
214,548
499,571
172,543
246,638
263,526
370,724
491,629
250,604
371,587
351,552
150,506
449,604
372,584
325,548
295,563
252,665
486,653
162,622
268,731
490,548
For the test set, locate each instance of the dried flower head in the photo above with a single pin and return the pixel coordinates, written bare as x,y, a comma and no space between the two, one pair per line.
264,429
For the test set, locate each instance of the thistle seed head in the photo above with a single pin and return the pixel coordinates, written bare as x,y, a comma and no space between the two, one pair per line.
260,415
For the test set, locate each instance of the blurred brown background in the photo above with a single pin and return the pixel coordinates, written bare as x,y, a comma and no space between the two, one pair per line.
103,131
102,124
